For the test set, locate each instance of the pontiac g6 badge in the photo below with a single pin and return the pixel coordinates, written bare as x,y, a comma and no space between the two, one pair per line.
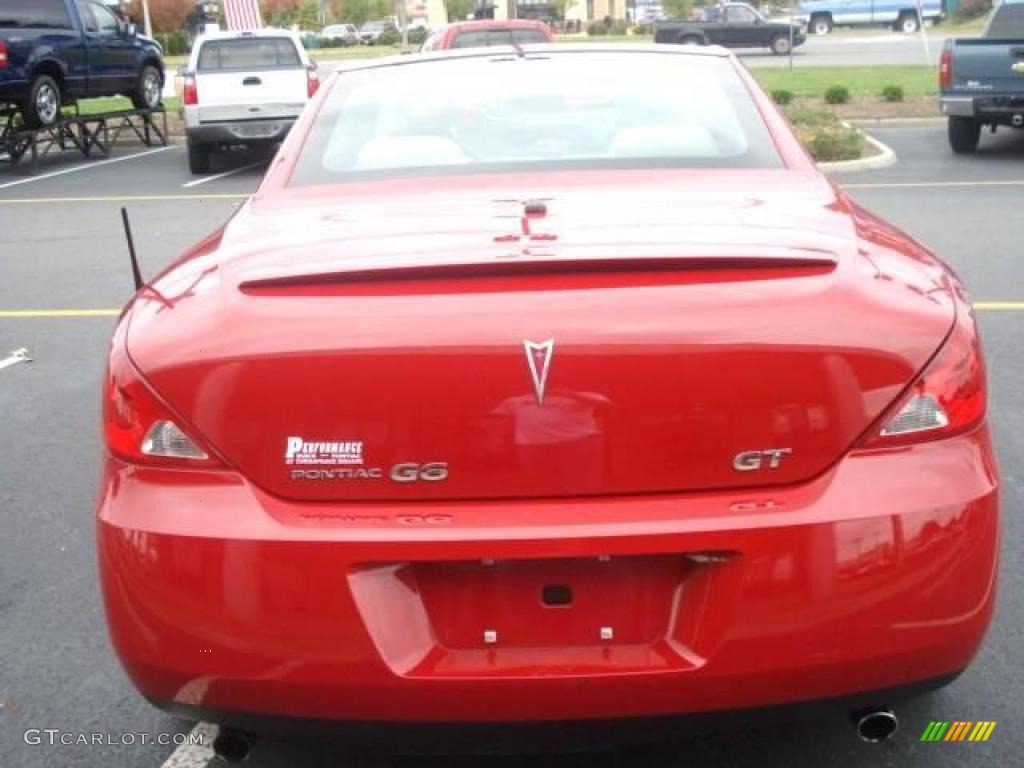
538,357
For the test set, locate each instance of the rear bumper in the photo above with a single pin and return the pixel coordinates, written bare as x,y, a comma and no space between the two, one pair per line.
995,109
879,574
243,131
544,736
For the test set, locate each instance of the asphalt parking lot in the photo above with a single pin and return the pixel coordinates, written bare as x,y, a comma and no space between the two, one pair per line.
63,275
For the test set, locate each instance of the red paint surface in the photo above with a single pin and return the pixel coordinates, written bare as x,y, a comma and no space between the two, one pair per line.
695,315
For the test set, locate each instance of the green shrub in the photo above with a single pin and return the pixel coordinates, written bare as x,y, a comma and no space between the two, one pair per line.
972,9
417,36
388,37
619,28
174,43
646,28
833,144
837,94
782,96
334,42
892,93
597,29
826,138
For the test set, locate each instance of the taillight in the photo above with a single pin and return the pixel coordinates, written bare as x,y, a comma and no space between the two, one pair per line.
312,82
190,93
949,398
138,427
946,67
3,55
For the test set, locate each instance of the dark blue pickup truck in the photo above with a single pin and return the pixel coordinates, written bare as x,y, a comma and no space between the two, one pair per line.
53,52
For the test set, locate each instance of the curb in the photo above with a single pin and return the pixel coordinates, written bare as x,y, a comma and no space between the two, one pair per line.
883,159
897,122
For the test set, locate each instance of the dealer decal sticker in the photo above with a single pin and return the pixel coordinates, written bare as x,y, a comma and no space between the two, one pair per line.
323,453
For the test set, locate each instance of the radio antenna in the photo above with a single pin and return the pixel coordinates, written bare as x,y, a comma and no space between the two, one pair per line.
136,273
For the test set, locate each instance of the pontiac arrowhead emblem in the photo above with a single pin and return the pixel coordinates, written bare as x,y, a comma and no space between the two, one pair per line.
538,356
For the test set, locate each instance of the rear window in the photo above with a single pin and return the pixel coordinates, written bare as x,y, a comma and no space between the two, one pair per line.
1007,22
45,14
248,54
487,37
511,113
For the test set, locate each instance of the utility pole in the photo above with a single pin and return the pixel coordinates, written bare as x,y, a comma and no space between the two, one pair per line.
403,24
147,24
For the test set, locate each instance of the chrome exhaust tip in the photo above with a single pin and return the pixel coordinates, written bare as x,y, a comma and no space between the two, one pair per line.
232,746
1017,120
876,725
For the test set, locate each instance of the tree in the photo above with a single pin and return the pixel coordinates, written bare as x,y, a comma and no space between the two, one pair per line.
678,9
168,15
459,9
308,15
358,11
559,7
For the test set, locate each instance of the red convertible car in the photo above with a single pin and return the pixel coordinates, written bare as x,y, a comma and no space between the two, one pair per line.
546,385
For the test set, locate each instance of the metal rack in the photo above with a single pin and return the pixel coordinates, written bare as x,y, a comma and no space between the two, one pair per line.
89,134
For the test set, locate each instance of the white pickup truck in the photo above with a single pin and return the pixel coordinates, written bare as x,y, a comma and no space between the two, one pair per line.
243,88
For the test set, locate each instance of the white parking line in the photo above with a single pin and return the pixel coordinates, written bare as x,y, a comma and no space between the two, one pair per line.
17,356
85,167
194,755
197,182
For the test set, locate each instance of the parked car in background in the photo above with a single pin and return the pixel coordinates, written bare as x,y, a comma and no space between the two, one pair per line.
981,79
243,88
732,25
53,52
346,34
486,32
372,31
904,16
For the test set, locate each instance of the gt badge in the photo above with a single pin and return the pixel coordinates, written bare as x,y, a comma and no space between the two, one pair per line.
770,458
538,357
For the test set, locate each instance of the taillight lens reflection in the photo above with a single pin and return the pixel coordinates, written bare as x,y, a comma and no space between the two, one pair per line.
949,397
190,93
138,427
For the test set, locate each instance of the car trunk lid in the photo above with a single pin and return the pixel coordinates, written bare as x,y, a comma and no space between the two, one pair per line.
726,337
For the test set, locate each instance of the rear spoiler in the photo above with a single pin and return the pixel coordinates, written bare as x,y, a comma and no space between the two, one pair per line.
267,280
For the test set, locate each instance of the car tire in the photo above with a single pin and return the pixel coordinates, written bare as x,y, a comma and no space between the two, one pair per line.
780,45
690,40
42,107
821,25
908,24
148,89
964,134
199,157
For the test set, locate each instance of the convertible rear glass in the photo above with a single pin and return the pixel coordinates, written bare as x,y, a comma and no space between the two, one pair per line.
539,111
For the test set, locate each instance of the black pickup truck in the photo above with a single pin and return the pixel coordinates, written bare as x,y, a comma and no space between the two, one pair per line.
981,79
53,52
732,25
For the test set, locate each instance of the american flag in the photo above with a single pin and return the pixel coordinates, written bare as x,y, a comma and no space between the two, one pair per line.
242,15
